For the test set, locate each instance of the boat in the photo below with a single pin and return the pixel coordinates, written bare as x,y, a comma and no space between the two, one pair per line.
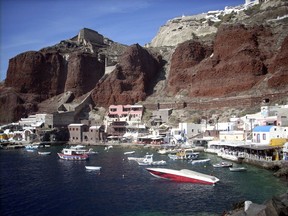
200,161
91,151
237,169
129,152
93,167
187,154
148,160
81,147
223,164
73,154
183,175
44,153
32,146
108,147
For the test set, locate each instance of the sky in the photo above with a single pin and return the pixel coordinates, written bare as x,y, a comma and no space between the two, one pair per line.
34,24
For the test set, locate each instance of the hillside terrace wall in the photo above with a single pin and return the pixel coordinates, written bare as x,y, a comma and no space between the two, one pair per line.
218,103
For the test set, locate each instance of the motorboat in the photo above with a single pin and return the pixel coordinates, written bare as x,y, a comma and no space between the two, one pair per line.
44,153
73,154
148,160
200,161
223,164
129,152
183,175
237,169
91,151
96,168
32,146
81,147
108,147
187,154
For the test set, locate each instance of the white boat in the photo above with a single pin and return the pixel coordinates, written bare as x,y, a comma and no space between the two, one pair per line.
186,154
148,160
183,175
44,153
73,154
91,151
223,164
32,146
237,169
93,167
108,147
129,152
200,161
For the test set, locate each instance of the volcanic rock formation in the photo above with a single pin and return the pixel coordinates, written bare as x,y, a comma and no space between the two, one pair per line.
131,81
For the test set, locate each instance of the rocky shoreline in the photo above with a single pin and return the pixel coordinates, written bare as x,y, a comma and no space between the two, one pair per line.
277,206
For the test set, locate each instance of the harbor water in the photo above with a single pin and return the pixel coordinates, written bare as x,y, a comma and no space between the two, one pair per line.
33,184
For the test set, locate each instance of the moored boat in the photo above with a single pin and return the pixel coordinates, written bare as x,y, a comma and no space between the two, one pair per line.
237,169
200,161
148,160
44,153
129,152
93,167
183,175
223,164
73,154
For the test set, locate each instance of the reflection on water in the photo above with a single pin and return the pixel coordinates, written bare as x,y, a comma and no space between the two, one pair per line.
33,184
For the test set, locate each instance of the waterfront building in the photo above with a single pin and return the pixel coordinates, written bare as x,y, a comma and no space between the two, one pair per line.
262,135
86,134
76,132
132,114
232,135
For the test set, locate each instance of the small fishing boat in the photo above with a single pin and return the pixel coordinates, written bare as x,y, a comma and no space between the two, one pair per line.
186,154
44,153
148,160
108,147
200,161
237,169
129,152
73,154
183,175
93,167
223,164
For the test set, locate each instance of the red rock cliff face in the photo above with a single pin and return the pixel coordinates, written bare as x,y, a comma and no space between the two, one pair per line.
131,81
35,76
279,68
84,71
36,72
49,74
241,59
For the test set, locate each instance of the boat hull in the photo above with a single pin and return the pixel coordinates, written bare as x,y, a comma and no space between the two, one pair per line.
187,176
44,153
93,167
73,157
237,169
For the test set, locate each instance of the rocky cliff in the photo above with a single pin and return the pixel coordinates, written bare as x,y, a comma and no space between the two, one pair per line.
243,59
131,81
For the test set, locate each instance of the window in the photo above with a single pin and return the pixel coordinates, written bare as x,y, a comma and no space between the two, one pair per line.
264,136
258,138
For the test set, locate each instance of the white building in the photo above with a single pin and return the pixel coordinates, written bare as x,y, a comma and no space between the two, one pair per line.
262,135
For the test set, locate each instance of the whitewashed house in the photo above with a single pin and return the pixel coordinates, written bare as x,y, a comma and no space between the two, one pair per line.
262,135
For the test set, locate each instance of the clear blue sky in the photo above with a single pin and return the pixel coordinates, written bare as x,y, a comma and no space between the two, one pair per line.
34,24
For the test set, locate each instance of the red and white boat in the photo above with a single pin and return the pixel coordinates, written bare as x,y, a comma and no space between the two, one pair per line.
183,175
73,154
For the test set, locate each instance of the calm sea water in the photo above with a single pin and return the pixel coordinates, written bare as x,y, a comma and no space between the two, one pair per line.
33,184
